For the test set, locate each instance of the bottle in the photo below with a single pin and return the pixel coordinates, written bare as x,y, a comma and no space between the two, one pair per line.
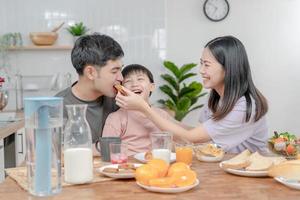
43,128
78,154
19,91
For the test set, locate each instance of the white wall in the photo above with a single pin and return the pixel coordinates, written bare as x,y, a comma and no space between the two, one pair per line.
270,31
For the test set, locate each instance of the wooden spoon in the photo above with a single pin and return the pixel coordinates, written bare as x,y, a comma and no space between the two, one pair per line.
58,27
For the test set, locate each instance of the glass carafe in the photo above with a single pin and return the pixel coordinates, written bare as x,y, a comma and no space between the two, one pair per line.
78,154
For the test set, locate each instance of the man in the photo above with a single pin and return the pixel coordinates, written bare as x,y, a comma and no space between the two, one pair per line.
97,60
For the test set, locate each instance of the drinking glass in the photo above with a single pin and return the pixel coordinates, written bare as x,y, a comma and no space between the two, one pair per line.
184,153
118,152
161,145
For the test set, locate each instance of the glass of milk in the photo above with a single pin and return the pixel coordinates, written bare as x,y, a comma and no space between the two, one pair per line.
78,154
161,145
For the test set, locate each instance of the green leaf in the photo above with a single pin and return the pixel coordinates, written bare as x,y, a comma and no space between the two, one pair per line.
186,76
196,107
183,104
185,91
172,67
168,91
180,115
197,89
170,104
187,67
171,80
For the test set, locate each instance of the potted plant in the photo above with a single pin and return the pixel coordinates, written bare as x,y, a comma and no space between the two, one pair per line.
77,30
182,97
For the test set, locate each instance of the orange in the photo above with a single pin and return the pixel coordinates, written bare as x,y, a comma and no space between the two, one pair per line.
165,182
184,178
144,173
177,167
160,165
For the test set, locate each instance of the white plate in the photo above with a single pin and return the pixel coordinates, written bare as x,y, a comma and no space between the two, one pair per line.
289,183
169,190
116,175
141,157
210,158
242,172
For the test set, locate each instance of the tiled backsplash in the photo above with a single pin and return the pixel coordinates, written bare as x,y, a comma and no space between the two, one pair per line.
139,26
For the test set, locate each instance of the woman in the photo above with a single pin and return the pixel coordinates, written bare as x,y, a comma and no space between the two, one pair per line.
234,116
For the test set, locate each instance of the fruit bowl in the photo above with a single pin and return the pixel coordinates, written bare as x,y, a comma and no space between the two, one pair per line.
285,144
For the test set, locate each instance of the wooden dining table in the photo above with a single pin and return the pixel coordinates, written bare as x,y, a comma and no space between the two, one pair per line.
214,184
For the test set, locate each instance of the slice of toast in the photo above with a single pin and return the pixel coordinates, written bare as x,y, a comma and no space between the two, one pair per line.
288,170
277,160
238,162
259,162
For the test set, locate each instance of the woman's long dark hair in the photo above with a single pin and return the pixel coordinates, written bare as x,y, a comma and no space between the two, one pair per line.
231,54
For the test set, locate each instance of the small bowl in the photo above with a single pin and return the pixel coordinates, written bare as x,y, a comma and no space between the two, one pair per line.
43,38
205,157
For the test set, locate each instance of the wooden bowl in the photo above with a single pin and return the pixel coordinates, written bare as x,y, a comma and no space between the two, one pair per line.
43,38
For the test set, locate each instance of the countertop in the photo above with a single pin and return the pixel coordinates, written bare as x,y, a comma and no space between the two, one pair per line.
8,128
214,184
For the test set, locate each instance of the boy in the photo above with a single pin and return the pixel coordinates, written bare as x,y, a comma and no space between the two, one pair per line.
97,60
132,126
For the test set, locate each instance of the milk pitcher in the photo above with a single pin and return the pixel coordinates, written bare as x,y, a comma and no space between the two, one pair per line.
78,154
43,128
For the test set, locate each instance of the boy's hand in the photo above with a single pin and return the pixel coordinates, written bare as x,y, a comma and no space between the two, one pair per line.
131,101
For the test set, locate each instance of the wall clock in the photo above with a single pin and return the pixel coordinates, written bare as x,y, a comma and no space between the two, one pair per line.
216,10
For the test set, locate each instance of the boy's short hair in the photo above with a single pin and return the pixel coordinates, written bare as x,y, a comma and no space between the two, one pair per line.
133,68
95,49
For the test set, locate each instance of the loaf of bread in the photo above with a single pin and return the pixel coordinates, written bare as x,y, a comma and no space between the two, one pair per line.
287,169
238,162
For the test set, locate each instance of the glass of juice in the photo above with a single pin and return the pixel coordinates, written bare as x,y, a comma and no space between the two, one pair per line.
184,153
118,152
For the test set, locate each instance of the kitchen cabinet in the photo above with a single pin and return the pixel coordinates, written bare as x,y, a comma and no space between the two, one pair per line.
1,161
20,145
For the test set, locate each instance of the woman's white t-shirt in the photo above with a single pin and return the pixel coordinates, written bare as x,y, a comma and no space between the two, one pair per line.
233,133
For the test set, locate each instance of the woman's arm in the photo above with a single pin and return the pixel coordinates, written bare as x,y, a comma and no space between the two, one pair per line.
135,102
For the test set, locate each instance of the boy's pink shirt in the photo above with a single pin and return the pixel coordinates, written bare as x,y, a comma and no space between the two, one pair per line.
133,128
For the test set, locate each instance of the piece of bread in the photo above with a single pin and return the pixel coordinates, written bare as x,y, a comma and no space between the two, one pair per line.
277,160
211,150
126,166
288,170
259,162
120,89
148,155
111,170
238,162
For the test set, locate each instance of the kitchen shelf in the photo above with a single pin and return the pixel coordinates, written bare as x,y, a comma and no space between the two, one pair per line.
33,48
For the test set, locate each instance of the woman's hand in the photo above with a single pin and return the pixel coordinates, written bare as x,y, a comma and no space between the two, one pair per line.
131,101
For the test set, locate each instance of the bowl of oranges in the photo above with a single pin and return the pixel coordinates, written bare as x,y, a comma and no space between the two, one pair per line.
158,176
285,144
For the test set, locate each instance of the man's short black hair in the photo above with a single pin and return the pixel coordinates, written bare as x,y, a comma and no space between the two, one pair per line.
95,49
133,68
